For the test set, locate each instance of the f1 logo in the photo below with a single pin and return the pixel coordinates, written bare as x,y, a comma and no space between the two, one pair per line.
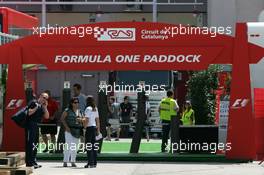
240,103
15,103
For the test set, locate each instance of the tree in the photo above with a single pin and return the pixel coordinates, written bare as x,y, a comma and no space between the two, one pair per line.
201,86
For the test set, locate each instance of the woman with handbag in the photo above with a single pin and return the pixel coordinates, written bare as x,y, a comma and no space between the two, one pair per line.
72,124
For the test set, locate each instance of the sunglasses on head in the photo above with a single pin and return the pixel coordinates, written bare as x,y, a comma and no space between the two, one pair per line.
75,102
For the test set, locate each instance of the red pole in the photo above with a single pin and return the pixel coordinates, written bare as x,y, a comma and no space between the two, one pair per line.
241,122
13,136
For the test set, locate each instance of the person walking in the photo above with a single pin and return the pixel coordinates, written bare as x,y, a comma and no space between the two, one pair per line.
37,109
168,108
72,123
92,124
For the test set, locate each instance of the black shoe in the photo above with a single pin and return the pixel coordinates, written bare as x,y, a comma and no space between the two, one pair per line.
87,166
37,166
65,164
73,164
35,163
93,166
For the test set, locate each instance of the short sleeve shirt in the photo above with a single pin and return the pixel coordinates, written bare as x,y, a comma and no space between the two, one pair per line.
52,108
125,109
91,115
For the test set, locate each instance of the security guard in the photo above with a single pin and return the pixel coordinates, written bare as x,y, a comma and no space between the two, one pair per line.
168,107
188,114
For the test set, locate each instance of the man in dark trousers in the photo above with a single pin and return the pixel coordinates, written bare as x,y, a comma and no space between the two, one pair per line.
125,112
168,107
36,112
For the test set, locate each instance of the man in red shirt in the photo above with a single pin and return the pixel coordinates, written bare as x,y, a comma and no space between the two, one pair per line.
51,123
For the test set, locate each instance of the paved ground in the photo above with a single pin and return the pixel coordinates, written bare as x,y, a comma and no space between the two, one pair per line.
55,168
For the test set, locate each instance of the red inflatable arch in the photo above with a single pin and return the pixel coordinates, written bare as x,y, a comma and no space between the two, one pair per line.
194,52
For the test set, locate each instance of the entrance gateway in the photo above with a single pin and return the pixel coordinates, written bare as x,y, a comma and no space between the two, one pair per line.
62,52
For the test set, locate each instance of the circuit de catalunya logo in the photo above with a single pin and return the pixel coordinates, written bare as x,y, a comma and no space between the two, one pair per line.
115,34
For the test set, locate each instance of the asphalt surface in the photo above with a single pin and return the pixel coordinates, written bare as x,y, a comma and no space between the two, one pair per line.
126,168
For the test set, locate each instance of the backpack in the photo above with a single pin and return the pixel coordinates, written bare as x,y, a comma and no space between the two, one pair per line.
20,118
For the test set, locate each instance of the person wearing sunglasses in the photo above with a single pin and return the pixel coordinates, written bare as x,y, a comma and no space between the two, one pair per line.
37,110
72,124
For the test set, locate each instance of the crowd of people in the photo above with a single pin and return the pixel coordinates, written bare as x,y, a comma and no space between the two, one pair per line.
81,114
81,123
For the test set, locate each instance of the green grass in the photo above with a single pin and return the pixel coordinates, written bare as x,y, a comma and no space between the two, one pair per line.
119,151
124,147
